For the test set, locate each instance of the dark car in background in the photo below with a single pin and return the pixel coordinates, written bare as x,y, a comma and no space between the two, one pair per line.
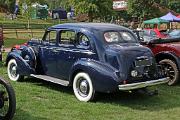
90,57
144,36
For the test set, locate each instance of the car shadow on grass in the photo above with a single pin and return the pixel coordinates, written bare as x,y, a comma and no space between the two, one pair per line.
167,98
49,85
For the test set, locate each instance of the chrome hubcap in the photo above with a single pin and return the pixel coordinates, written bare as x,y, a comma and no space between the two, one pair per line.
82,87
13,70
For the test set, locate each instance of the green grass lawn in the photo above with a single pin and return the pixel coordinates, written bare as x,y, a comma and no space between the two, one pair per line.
39,100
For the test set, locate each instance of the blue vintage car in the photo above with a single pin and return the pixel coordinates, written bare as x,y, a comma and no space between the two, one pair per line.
91,57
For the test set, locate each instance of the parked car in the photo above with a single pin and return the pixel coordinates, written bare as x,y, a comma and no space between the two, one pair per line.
167,53
91,57
155,33
175,34
144,36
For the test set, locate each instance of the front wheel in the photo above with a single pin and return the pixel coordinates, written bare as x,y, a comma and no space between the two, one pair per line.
7,100
12,71
83,87
170,70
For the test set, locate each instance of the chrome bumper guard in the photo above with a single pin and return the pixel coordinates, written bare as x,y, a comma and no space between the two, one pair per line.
143,84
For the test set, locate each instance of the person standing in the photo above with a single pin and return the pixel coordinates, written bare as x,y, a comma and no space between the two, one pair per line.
1,42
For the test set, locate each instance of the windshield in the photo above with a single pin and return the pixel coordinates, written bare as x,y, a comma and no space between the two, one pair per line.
119,37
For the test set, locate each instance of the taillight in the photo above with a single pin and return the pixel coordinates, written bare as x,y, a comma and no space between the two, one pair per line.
25,44
17,47
124,81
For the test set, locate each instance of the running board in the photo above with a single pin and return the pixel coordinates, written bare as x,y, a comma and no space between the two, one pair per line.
51,79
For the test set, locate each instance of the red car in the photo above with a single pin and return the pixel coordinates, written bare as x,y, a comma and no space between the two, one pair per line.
167,53
154,33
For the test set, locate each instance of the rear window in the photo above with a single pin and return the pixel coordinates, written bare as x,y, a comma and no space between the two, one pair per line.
119,37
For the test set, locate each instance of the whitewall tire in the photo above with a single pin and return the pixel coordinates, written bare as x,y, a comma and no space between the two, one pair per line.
12,71
83,87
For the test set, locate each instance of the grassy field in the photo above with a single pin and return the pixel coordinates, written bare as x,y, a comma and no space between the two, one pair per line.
39,100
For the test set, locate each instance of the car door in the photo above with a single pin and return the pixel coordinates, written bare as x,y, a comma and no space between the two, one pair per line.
47,54
72,48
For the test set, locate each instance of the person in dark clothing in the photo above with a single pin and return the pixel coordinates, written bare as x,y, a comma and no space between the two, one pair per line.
1,42
1,37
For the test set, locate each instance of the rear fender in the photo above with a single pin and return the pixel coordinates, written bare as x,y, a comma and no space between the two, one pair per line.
30,55
104,77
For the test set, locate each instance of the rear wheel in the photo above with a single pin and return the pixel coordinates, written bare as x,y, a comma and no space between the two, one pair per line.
170,70
12,71
83,87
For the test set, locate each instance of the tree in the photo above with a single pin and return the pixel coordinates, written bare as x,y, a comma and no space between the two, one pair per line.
94,8
8,4
152,8
143,8
174,5
28,11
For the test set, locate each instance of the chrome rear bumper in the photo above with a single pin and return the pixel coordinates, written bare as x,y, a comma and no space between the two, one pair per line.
143,84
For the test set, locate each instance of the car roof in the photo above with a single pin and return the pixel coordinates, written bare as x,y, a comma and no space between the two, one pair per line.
90,26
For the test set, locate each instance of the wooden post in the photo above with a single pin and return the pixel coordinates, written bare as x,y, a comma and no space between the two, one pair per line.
1,42
31,33
16,33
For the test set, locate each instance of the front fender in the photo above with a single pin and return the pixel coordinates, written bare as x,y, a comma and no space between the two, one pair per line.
23,67
104,77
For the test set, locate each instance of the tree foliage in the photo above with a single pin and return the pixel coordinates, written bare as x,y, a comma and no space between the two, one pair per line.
146,9
94,8
8,4
174,5
142,8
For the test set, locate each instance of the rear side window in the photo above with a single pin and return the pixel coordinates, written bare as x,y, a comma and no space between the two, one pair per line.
83,41
67,37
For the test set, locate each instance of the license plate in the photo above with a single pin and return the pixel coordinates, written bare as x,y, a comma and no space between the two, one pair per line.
144,62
